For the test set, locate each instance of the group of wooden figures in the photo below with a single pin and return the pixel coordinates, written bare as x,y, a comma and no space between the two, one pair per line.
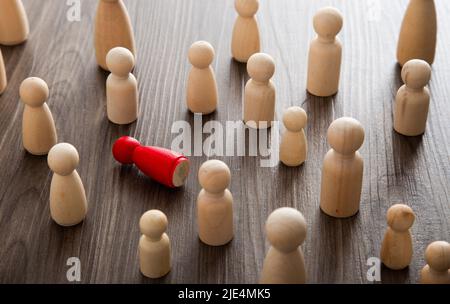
286,228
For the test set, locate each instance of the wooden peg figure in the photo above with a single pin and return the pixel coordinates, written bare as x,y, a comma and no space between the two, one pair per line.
121,87
284,262
112,28
3,79
397,249
325,53
437,270
413,99
14,27
259,93
342,170
154,245
68,204
418,33
38,127
215,204
201,94
293,146
245,38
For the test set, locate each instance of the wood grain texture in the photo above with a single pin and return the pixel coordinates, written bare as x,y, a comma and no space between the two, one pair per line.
416,171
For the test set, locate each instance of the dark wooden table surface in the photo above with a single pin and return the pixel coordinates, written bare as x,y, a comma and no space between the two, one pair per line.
416,171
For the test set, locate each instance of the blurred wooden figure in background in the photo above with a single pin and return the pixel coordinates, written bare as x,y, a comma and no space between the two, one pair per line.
3,78
14,27
418,33
245,39
112,28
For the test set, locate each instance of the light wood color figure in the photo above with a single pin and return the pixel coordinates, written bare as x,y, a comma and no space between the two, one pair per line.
437,270
121,87
397,248
154,245
38,127
68,204
418,33
325,53
284,262
112,28
259,93
3,78
215,204
293,146
342,170
413,99
245,38
14,27
201,94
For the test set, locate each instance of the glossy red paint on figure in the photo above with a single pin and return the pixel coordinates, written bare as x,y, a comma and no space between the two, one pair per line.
162,165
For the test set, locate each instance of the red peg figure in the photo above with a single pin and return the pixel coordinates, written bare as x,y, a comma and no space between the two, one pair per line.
162,165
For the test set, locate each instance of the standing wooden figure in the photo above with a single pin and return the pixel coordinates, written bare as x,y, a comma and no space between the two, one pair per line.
245,39
215,204
154,245
3,78
38,127
413,99
437,270
201,94
397,249
14,27
112,28
325,53
342,170
259,95
121,87
418,32
284,262
293,146
68,205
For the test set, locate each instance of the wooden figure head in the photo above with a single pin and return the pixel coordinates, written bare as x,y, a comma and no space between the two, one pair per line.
328,22
294,119
286,229
400,217
33,91
416,73
214,176
261,67
63,159
437,255
153,224
246,8
120,61
345,135
201,54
